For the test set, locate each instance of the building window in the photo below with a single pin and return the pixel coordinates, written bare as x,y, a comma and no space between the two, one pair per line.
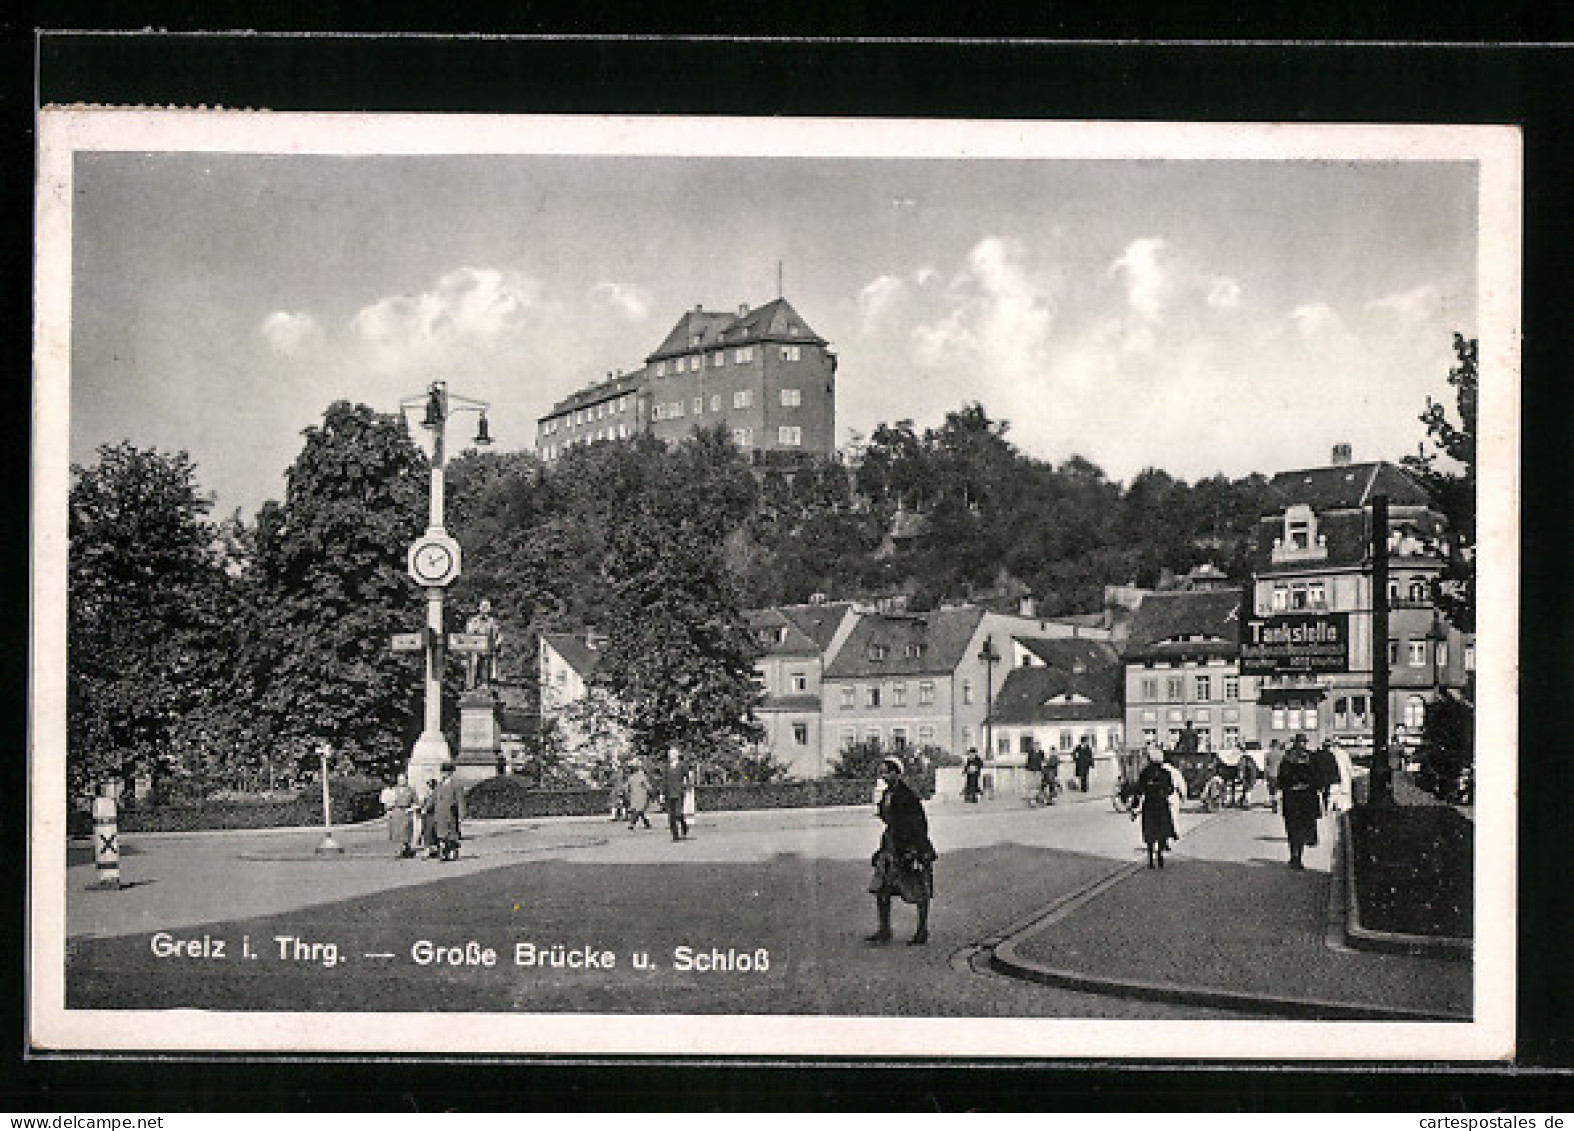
1415,713
926,694
1204,715
1232,736
847,698
1150,734
926,735
1149,715
743,437
1470,657
715,402
899,695
1316,595
1293,718
914,651
1298,597
1232,687
1393,592
1065,740
1173,688
871,734
1278,718
1418,591
849,737
1175,714
789,436
1204,688
898,738
800,734
655,411
675,410
1442,653
1281,598
718,359
791,398
1393,653
1150,689
967,691
792,353
742,398
1418,653
699,405
872,698
800,682
743,355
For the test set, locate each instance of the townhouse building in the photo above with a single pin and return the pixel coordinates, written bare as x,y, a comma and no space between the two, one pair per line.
795,640
1182,664
1060,693
914,680
763,374
584,721
1313,566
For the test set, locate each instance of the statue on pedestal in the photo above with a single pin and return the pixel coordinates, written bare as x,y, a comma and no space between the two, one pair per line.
481,667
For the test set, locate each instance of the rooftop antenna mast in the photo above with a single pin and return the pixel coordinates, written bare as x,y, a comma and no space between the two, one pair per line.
778,278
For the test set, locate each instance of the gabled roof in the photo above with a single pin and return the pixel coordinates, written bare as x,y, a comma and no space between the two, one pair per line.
913,644
1071,654
1346,486
575,650
779,635
776,321
1187,622
818,622
1027,694
595,394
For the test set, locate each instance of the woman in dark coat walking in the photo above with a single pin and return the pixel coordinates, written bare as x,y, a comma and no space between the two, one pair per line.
904,862
1154,786
1302,802
448,804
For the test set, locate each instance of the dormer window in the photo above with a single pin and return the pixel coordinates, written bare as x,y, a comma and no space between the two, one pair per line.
877,651
1298,527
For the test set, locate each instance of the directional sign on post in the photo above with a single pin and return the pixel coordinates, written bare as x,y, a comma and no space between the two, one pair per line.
408,642
469,642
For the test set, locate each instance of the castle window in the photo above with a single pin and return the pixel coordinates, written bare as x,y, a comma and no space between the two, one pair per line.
789,436
791,398
792,353
699,405
743,355
715,402
718,359
742,398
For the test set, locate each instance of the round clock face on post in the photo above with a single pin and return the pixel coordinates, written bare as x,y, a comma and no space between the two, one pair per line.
434,559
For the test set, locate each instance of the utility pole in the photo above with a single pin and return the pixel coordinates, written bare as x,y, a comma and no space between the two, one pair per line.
1382,781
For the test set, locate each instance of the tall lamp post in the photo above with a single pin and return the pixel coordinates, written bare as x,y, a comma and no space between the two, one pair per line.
989,658
433,562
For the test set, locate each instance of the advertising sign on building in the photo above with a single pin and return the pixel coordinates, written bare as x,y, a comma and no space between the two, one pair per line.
1295,642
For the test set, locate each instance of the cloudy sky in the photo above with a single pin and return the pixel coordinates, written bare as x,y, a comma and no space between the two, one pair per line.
1198,316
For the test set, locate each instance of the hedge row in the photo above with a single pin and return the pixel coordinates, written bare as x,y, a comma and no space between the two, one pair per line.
349,803
510,797
497,797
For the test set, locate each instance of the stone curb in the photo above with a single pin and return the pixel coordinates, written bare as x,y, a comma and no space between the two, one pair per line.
1363,937
1006,957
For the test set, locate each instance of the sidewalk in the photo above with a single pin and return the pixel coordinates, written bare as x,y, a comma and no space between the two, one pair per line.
1227,923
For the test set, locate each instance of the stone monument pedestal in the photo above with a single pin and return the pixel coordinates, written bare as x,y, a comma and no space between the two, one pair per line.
480,736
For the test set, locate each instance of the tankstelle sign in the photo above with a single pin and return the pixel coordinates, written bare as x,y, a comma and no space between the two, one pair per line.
1296,642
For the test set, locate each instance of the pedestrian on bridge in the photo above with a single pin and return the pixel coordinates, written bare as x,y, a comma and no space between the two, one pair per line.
1302,801
1155,787
904,862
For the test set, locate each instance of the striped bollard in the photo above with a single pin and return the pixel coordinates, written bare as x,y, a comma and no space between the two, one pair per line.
106,841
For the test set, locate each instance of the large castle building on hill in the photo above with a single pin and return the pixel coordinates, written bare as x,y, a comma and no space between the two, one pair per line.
763,374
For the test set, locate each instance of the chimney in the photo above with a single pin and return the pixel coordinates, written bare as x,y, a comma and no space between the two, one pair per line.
699,308
1341,455
743,308
1027,607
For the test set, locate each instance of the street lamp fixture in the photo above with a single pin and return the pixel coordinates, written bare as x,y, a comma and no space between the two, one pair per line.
989,658
434,563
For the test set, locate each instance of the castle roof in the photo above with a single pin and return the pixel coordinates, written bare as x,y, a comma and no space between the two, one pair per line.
776,321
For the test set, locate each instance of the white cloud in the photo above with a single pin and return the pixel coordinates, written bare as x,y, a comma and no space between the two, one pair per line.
1224,294
631,301
1316,318
1417,305
1143,269
468,310
876,298
289,333
1001,315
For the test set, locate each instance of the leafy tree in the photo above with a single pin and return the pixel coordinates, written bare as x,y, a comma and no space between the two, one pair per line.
332,590
1454,492
149,617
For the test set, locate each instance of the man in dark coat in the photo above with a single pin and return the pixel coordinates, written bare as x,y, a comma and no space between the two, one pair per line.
972,770
674,780
448,809
1082,759
904,862
1302,806
1325,772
